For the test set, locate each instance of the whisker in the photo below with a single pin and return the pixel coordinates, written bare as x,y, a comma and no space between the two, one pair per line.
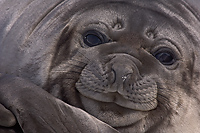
57,71
73,65
83,55
81,62
64,65
163,97
70,78
165,105
60,71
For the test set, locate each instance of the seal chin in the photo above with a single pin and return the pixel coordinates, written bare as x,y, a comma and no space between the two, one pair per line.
111,113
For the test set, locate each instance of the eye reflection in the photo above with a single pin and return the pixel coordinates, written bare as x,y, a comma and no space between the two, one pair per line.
165,57
94,38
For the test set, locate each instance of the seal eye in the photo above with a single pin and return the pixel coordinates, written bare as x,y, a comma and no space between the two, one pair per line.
93,38
165,57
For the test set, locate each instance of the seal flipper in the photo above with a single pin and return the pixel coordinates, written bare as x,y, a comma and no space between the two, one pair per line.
38,111
7,118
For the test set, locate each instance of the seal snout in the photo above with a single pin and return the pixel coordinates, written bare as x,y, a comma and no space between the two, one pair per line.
119,81
123,70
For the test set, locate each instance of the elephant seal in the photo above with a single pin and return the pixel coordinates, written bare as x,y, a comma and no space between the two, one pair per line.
132,64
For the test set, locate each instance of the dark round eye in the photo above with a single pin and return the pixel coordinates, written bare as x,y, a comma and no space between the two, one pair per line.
93,38
165,57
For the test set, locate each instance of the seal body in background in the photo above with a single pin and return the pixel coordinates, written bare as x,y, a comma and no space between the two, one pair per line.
131,64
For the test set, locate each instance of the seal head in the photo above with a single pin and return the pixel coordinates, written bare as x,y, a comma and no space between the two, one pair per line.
133,64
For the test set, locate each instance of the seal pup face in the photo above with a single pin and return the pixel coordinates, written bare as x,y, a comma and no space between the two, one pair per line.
129,66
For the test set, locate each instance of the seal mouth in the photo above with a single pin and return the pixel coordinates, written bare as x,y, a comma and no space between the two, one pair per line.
114,97
118,80
136,95
111,113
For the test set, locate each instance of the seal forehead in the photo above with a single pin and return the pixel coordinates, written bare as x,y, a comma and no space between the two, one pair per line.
133,19
177,10
129,20
118,16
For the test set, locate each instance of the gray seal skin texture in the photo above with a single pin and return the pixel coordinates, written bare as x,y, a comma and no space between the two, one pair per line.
124,65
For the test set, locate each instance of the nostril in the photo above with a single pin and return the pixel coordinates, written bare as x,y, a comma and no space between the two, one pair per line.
120,73
123,69
113,76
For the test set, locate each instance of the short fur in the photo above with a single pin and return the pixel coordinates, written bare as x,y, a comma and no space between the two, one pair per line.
119,82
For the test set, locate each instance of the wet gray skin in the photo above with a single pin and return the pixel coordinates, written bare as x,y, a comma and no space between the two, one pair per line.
99,66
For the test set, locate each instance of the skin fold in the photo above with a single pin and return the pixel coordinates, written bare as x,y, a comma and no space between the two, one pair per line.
99,66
